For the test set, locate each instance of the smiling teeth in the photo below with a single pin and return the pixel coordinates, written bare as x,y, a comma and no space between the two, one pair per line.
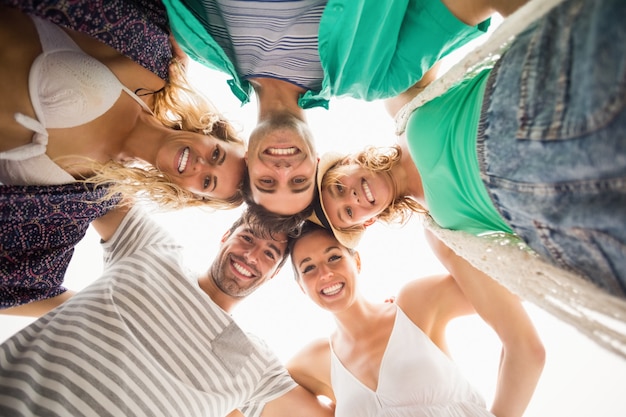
333,289
282,151
367,191
243,271
182,162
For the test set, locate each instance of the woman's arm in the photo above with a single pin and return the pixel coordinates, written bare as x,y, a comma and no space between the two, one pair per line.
38,308
523,354
394,104
310,368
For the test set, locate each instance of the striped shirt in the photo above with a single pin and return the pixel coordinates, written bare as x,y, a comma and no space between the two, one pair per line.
275,39
142,340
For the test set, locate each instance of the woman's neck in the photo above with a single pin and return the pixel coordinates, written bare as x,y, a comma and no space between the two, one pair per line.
145,139
356,322
406,177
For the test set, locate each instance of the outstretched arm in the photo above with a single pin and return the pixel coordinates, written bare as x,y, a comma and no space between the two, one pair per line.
394,104
298,402
523,353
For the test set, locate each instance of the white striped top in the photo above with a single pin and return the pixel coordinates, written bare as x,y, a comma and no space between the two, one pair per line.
142,340
275,39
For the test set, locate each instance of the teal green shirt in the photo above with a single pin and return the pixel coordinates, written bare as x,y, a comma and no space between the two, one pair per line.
442,140
369,49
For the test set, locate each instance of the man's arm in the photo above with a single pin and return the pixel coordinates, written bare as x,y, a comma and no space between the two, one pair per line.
523,354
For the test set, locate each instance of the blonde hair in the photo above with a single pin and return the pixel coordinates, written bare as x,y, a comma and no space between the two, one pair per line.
178,107
377,160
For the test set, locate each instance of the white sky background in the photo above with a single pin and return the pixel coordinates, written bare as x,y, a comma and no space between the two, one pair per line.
580,379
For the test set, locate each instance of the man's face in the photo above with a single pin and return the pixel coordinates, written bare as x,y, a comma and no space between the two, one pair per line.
282,165
246,261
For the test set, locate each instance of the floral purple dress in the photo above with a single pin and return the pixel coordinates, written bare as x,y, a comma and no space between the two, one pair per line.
137,29
39,228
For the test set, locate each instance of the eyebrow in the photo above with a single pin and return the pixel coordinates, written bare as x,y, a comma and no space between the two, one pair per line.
307,259
275,248
214,183
293,190
271,245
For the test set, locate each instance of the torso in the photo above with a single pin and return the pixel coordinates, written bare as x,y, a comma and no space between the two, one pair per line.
363,357
20,46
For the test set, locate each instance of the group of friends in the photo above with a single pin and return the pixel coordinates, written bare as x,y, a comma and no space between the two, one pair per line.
97,114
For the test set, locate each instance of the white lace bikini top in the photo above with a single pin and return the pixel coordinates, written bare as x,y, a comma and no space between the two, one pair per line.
67,88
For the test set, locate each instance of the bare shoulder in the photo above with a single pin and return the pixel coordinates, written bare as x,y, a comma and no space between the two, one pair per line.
432,301
316,352
310,368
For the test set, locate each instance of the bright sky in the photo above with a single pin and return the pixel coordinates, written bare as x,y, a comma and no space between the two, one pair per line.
580,379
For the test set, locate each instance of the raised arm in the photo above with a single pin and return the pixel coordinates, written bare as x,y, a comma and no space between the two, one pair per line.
523,353
394,104
310,368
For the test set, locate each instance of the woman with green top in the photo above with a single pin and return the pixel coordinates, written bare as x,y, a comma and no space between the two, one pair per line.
534,146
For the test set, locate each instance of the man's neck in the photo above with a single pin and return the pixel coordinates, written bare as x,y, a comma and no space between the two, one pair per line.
277,96
224,301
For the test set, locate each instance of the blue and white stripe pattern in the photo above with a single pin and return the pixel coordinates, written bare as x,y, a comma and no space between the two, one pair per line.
142,340
275,39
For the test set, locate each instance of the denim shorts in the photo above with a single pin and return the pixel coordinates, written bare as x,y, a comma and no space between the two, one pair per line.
552,139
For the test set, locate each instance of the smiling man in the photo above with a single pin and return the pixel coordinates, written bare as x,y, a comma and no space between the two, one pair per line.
282,161
146,340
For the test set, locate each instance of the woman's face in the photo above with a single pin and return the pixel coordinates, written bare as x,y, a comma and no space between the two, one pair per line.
326,270
203,164
357,197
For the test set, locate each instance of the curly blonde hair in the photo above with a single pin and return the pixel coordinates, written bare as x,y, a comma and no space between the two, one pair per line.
375,159
179,107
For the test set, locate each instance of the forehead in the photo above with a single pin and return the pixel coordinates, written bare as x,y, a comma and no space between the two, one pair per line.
278,240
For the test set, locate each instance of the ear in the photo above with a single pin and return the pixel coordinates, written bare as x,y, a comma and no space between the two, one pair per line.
357,259
370,221
225,236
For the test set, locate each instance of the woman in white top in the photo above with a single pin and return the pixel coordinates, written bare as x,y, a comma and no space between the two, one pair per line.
390,359
74,108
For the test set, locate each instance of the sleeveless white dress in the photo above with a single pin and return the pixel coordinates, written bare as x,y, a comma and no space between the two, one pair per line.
416,379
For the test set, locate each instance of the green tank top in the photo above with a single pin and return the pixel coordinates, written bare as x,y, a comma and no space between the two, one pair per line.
442,141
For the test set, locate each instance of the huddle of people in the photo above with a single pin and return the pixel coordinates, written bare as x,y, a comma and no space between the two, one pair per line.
98,115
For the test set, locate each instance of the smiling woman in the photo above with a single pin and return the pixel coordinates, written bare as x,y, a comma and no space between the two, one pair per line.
166,141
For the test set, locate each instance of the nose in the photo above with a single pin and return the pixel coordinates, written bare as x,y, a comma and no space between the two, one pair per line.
200,164
354,195
282,163
325,273
251,256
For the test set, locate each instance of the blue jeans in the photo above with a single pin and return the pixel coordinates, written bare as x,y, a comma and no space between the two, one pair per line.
552,139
